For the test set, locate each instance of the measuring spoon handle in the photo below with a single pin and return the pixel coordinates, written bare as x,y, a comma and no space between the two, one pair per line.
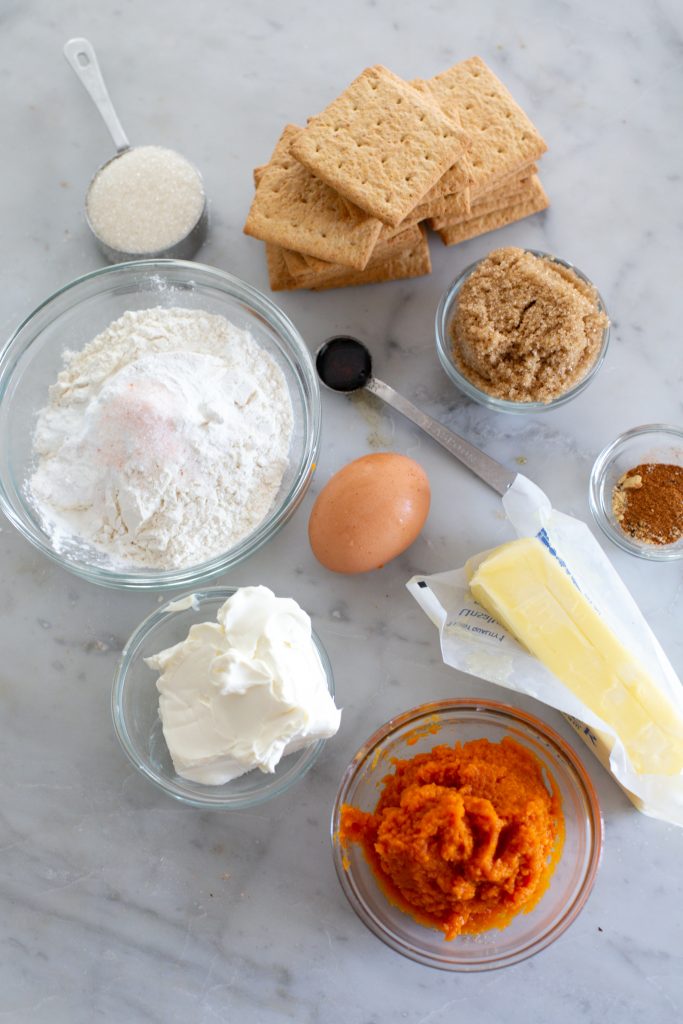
486,468
80,54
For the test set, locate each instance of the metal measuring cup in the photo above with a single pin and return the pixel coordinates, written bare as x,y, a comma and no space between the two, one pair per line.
81,56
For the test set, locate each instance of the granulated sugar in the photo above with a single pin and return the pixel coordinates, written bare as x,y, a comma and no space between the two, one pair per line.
145,200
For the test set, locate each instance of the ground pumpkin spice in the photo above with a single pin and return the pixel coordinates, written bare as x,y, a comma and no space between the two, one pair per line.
647,502
463,837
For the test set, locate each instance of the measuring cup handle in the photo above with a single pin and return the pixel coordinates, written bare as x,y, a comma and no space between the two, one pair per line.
80,54
481,464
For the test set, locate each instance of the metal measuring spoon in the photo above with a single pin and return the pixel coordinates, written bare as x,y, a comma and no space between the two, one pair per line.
344,364
81,56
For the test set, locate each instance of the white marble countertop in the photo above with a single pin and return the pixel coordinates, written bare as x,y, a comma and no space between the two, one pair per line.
116,904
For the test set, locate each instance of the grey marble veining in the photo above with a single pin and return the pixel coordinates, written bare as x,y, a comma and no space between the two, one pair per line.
116,903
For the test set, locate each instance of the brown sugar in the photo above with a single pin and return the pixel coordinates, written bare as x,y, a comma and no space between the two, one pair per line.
648,503
526,329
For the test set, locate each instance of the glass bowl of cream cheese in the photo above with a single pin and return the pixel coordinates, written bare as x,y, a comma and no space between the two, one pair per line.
650,526
224,698
160,421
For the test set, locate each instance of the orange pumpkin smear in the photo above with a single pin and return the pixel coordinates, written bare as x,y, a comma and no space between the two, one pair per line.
463,837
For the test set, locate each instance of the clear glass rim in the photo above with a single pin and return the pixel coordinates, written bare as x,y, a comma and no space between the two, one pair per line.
310,395
594,824
443,347
213,800
649,552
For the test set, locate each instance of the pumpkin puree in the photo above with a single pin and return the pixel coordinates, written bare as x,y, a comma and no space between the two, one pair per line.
463,837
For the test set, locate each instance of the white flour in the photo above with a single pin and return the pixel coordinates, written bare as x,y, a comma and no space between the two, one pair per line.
164,441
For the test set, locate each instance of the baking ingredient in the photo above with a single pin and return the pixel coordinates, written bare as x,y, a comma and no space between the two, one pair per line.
145,200
526,329
532,199
516,189
164,442
648,503
377,146
406,255
503,140
381,144
369,512
294,209
533,596
244,691
463,837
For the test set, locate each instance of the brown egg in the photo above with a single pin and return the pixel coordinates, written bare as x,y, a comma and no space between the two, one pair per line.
369,512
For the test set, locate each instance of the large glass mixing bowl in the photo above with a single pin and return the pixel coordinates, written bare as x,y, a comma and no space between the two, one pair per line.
71,318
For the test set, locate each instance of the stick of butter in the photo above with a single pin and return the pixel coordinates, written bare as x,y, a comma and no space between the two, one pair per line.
533,596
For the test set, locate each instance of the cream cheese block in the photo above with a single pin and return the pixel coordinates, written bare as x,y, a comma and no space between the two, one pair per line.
535,598
244,691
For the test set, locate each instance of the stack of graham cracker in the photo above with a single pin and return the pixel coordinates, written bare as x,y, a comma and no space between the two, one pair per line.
345,200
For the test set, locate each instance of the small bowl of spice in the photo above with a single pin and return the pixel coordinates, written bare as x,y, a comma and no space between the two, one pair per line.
521,331
466,835
636,491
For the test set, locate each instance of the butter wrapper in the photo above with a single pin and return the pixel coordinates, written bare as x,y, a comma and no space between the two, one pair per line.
474,642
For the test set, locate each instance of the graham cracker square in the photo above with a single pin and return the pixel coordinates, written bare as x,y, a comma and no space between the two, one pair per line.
502,136
298,263
458,178
405,255
494,184
513,191
297,211
411,261
536,201
310,270
381,144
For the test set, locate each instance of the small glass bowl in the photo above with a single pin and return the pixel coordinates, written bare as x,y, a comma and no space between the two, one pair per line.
135,711
419,731
444,347
71,318
655,442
